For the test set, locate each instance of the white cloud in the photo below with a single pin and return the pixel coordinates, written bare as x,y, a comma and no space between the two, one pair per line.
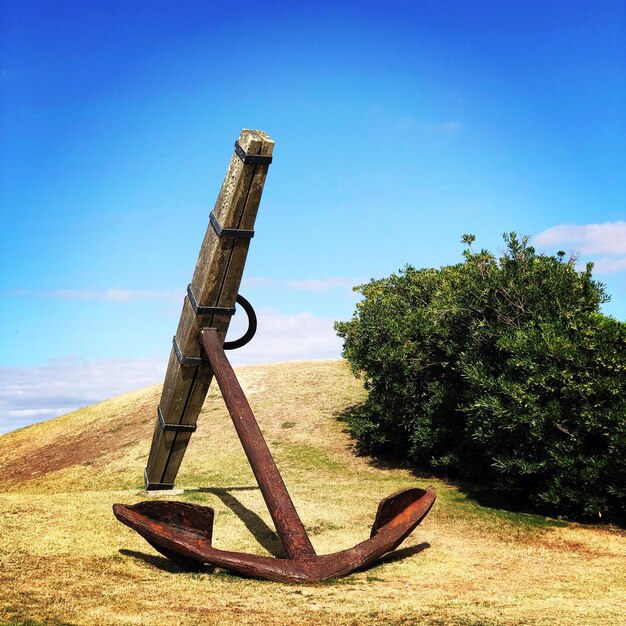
15,419
32,394
609,266
606,241
282,337
113,295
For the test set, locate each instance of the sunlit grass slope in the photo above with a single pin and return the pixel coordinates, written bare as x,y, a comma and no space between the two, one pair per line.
64,559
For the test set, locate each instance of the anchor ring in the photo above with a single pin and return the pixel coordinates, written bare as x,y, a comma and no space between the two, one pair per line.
252,324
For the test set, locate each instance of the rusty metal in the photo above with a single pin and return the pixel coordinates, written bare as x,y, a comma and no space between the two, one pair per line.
183,532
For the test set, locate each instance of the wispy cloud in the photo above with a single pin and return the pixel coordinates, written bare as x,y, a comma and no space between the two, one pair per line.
32,394
608,238
304,284
261,283
609,266
445,128
323,284
115,295
407,122
176,295
110,295
604,243
7,76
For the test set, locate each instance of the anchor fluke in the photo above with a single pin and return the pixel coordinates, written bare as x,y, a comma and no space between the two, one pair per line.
181,518
184,539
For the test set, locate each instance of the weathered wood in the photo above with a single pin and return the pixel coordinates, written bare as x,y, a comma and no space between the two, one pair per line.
216,281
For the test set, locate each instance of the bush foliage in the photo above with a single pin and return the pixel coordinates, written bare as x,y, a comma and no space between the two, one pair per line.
501,371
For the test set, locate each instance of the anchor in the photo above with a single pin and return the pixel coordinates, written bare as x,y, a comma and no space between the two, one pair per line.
183,532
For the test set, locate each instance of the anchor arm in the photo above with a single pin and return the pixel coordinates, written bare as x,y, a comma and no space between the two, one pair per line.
158,523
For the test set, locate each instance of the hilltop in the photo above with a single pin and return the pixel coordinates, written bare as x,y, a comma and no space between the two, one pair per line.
64,559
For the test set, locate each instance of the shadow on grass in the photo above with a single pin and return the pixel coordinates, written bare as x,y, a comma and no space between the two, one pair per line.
389,460
253,522
484,499
403,553
156,561
391,557
269,539
261,532
494,499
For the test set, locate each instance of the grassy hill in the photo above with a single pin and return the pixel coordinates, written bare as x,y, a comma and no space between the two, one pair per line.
64,559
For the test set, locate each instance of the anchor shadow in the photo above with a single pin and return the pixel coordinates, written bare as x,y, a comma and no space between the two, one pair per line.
270,540
403,553
152,559
264,535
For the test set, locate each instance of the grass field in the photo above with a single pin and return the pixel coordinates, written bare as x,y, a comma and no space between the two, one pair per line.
64,559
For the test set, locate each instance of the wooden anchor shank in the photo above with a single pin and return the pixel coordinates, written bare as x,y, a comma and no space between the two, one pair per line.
210,302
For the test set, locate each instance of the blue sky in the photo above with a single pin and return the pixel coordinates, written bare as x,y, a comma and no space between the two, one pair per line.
399,126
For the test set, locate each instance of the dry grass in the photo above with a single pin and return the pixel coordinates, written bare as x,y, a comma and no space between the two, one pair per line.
64,559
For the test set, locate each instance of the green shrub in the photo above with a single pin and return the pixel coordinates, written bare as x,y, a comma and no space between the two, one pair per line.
501,371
